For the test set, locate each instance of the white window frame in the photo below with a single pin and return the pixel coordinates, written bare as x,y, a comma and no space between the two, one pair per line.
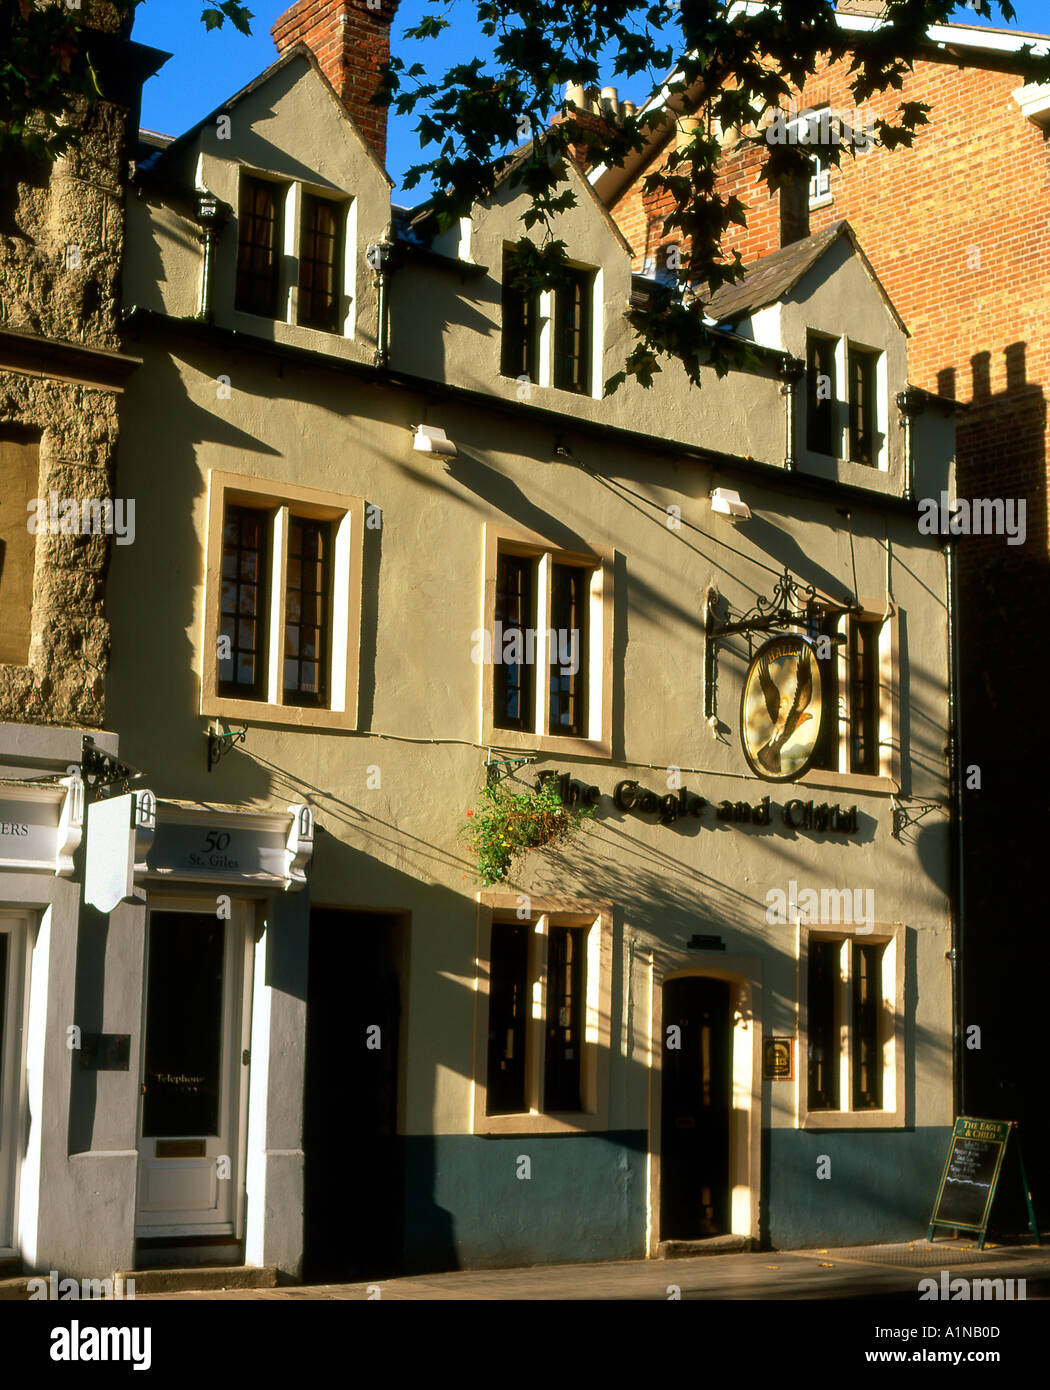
820,194
20,928
540,914
598,739
545,345
291,204
891,935
880,462
286,499
888,777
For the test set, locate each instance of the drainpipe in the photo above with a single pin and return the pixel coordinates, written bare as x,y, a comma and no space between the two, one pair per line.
956,838
792,370
910,402
379,258
211,217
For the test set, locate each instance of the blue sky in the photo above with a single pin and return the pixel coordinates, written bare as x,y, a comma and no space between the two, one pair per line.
206,68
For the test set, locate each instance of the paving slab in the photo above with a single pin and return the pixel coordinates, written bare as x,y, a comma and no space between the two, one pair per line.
855,1272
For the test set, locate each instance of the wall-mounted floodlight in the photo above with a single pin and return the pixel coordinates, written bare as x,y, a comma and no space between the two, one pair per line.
431,439
727,502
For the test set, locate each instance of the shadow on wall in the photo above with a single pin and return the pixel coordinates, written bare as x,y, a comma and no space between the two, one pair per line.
1004,593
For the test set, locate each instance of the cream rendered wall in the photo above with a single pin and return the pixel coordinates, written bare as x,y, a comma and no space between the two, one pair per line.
391,841
448,327
396,845
163,257
449,330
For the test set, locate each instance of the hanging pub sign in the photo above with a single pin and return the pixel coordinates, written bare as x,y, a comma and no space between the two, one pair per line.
780,709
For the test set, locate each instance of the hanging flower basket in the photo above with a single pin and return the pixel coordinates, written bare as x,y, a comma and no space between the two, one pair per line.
504,825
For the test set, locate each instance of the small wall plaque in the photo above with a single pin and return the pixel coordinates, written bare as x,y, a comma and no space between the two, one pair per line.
105,1051
778,1057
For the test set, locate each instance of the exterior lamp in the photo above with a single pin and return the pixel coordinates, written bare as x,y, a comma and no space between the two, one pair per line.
727,503
430,439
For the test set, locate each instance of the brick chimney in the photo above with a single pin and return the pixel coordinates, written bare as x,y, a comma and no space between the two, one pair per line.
351,41
794,209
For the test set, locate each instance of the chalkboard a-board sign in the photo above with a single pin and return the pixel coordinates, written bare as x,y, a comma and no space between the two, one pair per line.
967,1190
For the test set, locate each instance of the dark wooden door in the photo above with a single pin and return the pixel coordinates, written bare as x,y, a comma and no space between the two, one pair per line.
353,1180
697,1091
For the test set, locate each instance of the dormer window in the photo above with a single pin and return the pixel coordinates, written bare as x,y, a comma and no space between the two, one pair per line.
845,395
573,312
862,364
292,255
821,394
548,335
519,355
320,264
258,247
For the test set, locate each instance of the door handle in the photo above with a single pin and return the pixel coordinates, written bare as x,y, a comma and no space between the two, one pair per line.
246,1057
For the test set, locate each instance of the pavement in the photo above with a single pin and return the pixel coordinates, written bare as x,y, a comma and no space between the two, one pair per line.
856,1272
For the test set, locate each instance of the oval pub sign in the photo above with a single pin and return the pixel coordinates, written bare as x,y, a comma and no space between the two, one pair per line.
780,709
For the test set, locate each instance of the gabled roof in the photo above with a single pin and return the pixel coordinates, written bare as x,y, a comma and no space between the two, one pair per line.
297,50
416,222
772,277
519,156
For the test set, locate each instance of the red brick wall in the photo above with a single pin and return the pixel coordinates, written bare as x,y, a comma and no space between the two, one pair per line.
351,41
958,231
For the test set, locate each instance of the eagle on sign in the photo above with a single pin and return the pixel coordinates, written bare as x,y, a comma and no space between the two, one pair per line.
787,712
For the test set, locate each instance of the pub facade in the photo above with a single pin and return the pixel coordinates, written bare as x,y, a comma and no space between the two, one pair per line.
401,569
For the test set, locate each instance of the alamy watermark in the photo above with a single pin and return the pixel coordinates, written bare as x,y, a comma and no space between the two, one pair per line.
820,907
82,516
517,646
987,1290
821,127
90,1343
52,1287
981,516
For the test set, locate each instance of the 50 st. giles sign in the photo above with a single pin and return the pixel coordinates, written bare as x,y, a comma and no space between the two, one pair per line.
669,807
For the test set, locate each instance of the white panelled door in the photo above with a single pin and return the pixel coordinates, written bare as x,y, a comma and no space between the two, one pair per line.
194,1070
13,946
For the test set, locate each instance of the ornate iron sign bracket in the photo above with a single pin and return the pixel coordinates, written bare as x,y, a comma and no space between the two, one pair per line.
492,765
103,774
792,605
221,742
905,816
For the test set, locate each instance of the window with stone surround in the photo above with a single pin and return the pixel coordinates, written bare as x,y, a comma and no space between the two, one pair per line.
858,659
542,1006
295,248
260,242
846,400
851,1024
282,603
550,336
545,651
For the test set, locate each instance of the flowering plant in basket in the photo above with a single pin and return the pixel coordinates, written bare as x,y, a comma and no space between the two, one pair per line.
504,825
